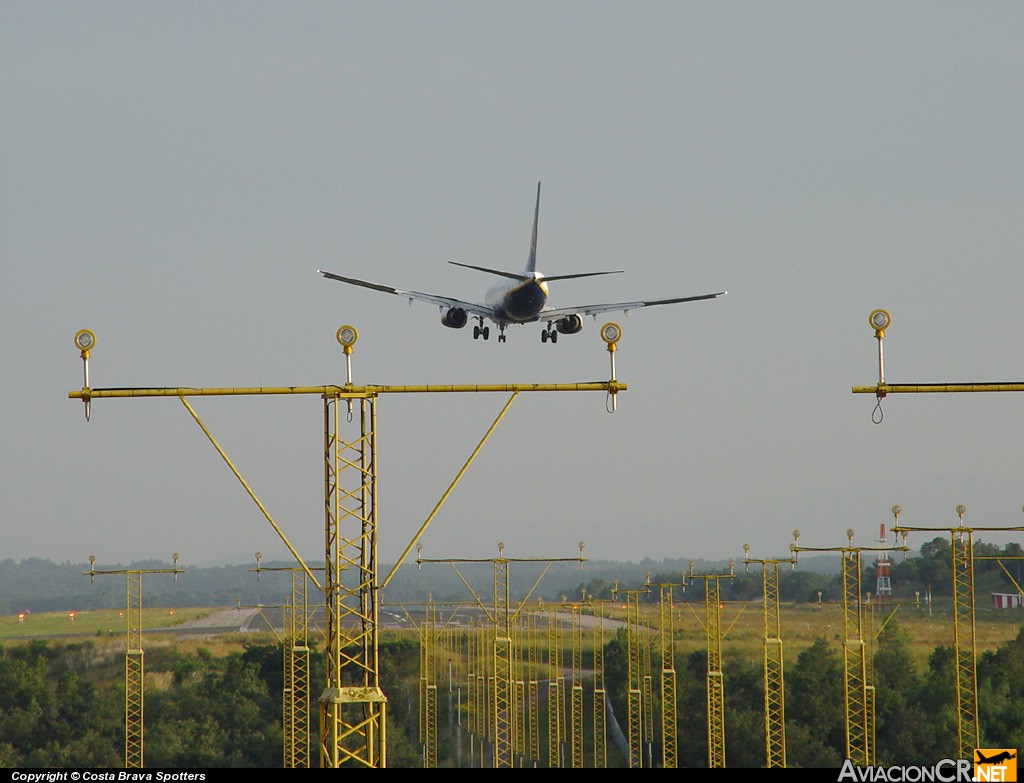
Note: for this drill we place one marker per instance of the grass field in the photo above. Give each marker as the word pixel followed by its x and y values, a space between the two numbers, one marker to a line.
pixel 107 622
pixel 742 627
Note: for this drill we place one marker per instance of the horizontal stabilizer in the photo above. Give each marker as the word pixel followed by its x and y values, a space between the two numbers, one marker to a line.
pixel 581 274
pixel 511 275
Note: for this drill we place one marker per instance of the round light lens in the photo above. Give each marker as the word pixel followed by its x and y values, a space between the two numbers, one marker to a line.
pixel 84 340
pixel 879 319
pixel 611 333
pixel 347 335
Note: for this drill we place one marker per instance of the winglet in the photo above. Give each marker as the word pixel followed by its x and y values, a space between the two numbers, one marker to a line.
pixel 531 264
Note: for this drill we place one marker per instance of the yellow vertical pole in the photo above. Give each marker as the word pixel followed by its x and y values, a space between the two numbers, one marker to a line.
pixel 352 713
pixel 503 725
pixel 715 677
pixel 969 732
pixel 556 728
pixel 666 638
pixel 774 688
pixel 600 724
pixel 134 675
pixel 576 689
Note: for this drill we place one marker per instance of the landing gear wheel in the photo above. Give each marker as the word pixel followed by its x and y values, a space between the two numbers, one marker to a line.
pixel 554 336
pixel 486 332
pixel 544 336
pixel 476 332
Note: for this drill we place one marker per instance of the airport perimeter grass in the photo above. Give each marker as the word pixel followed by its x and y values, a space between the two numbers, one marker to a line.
pixel 101 622
pixel 742 627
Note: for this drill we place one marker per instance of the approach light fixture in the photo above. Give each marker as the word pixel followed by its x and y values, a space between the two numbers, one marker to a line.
pixel 347 336
pixel 879 320
pixel 85 340
pixel 611 333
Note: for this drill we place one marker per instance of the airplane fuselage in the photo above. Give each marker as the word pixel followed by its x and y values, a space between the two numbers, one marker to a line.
pixel 519 302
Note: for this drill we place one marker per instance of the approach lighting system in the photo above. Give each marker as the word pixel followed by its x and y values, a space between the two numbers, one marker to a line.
pixel 85 340
pixel 879 320
pixel 611 333
pixel 347 336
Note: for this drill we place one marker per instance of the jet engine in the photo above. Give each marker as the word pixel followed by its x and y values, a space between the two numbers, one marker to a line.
pixel 455 318
pixel 571 324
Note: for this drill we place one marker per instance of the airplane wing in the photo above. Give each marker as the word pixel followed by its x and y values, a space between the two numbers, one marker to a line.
pixel 608 307
pixel 441 301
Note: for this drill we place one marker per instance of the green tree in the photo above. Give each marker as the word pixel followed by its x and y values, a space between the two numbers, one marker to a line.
pixel 814 704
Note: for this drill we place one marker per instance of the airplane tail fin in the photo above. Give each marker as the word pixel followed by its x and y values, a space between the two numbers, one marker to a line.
pixel 531 264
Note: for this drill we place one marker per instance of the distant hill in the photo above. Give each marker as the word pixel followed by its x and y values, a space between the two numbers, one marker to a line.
pixel 42 585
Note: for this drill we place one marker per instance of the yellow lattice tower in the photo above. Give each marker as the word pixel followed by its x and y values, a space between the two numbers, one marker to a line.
pixel 858 691
pixel 502 707
pixel 647 666
pixel 428 680
pixel 576 679
pixel 774 685
pixel 556 689
pixel 295 692
pixel 484 676
pixel 438 653
pixel 352 704
pixel 134 666
pixel 600 722
pixel 297 715
pixel 636 648
pixel 532 688
pixel 476 688
pixel 665 640
pixel 715 678
pixel 962 556
pixel 520 655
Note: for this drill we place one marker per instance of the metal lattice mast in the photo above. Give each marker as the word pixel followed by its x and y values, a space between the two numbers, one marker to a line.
pixel 295 690
pixel 483 665
pixel 134 666
pixel 715 678
pixel 634 651
pixel 296 676
pixel 600 724
pixel 969 732
pixel 962 555
pixel 503 727
pixel 648 699
pixel 502 705
pixel 352 724
pixel 666 655
pixel 858 749
pixel 532 689
pixel 473 684
pixel 774 686
pixel 857 690
pixel 134 675
pixel 669 748
pixel 576 688
pixel 428 712
pixel 556 719
pixel 519 713
pixel 352 705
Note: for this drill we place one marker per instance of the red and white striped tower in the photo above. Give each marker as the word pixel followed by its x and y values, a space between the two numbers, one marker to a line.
pixel 883 586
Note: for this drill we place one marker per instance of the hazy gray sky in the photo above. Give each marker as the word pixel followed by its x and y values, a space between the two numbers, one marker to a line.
pixel 175 174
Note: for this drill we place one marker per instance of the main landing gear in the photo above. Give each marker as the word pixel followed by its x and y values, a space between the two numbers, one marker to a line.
pixel 549 334
pixel 481 331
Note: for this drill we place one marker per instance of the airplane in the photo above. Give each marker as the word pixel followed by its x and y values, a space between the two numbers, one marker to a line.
pixel 1003 756
pixel 518 299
